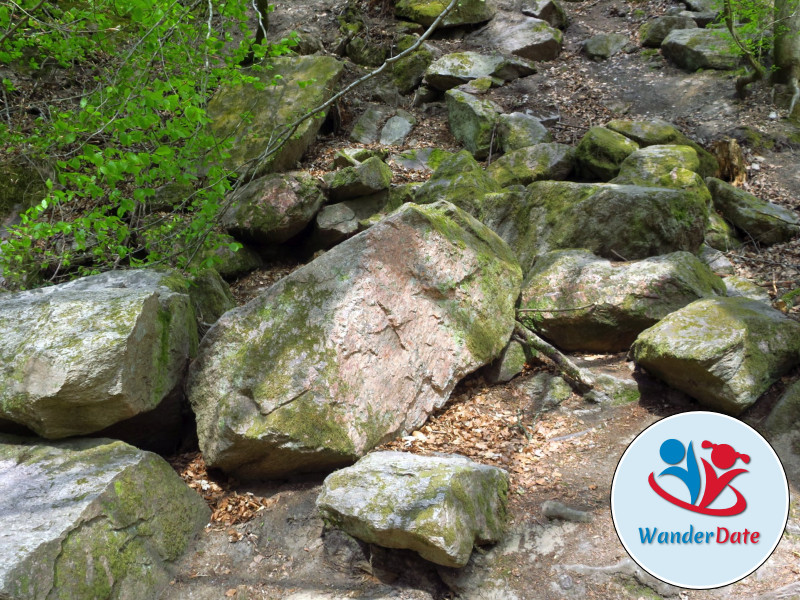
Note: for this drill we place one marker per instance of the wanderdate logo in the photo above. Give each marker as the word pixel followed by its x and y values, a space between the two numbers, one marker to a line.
pixel 699 500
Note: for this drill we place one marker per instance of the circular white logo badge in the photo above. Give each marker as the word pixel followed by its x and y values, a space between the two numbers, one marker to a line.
pixel 699 500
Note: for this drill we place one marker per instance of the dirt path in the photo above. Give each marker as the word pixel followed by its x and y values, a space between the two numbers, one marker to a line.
pixel 568 454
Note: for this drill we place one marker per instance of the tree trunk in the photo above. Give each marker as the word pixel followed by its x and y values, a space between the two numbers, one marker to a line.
pixel 787 47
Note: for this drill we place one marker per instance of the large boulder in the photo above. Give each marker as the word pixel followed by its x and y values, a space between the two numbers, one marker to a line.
pixel 367 178
pixel 546 10
pixel 604 45
pixel 454 69
pixel 653 32
pixel 519 130
pixel 581 302
pixel 519 35
pixel 619 222
pixel 654 132
pixel 460 180
pixel 296 380
pixel 271 109
pixel 466 12
pixel 600 153
pixel 438 506
pixel 725 352
pixel 80 356
pixel 765 222
pixel 90 519
pixel 535 163
pixel 693 49
pixel 274 208
pixel 472 121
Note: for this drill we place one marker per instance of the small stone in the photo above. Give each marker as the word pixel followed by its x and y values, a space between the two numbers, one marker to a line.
pixel 552 509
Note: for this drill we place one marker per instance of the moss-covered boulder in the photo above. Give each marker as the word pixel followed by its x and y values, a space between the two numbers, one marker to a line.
pixel 693 49
pixel 551 161
pixel 546 10
pixel 438 506
pixel 785 415
pixel 424 160
pixel 720 235
pixel 600 153
pixel 296 379
pixel 604 45
pixel 458 179
pixel 250 118
pixel 90 519
pixel 466 12
pixel 725 352
pixel 455 69
pixel 519 35
pixel 369 177
pixel 364 52
pixel 508 365
pixel 619 222
pixel 763 221
pixel 408 72
pixel 654 132
pixel 80 356
pixel 273 209
pixel 472 121
pixel 367 128
pixel 652 33
pixel 581 302
pixel 736 287
pixel 519 130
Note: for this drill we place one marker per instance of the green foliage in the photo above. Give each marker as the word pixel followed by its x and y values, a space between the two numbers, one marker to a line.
pixel 753 22
pixel 136 77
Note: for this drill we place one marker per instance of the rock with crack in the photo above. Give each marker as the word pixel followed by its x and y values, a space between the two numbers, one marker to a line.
pixel 369 177
pixel 764 222
pixel 438 506
pixel 600 153
pixel 693 49
pixel 473 122
pixel 297 379
pixel 546 10
pixel 78 357
pixel 367 129
pixel 90 519
pixel 458 179
pixel 519 35
pixel 654 132
pixel 452 70
pixel 272 209
pixel 618 222
pixel 270 110
pixel 724 352
pixel 581 302
pixel 466 12
pixel 337 222
pixel 539 162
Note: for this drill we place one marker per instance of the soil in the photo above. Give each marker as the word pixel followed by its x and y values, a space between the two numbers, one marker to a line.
pixel 267 541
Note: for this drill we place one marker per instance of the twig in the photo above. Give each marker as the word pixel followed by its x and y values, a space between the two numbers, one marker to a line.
pixel 19 23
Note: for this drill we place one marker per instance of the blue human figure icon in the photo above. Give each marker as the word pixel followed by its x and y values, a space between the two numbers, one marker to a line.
pixel 672 452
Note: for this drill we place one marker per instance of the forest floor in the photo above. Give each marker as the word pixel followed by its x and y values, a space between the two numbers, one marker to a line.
pixel 266 540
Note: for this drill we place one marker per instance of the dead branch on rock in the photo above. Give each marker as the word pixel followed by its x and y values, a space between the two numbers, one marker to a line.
pixel 580 380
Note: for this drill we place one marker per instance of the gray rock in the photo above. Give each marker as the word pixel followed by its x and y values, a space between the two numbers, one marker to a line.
pixel 720 235
pixel 600 153
pixel 553 509
pixel 519 130
pixel 653 32
pixel 519 35
pixel 337 222
pixel 460 180
pixel 785 415
pixel 582 302
pixel 472 121
pixel 352 157
pixel 725 352
pixel 271 109
pixel 366 53
pixel 546 10
pixel 273 209
pixel 604 45
pixel 534 163
pixel 466 12
pixel 452 70
pixel 397 128
pixel 90 519
pixel 368 127
pixel 740 287
pixel 693 49
pixel 369 177
pixel 546 390
pixel 420 159
pixel 412 304
pixel 80 356
pixel 438 506
pixel 716 260
pixel 764 222
pixel 508 365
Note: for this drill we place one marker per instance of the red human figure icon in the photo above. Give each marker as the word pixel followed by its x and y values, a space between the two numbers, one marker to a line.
pixel 724 457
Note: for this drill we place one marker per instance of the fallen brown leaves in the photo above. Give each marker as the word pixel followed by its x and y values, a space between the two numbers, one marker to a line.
pixel 228 507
